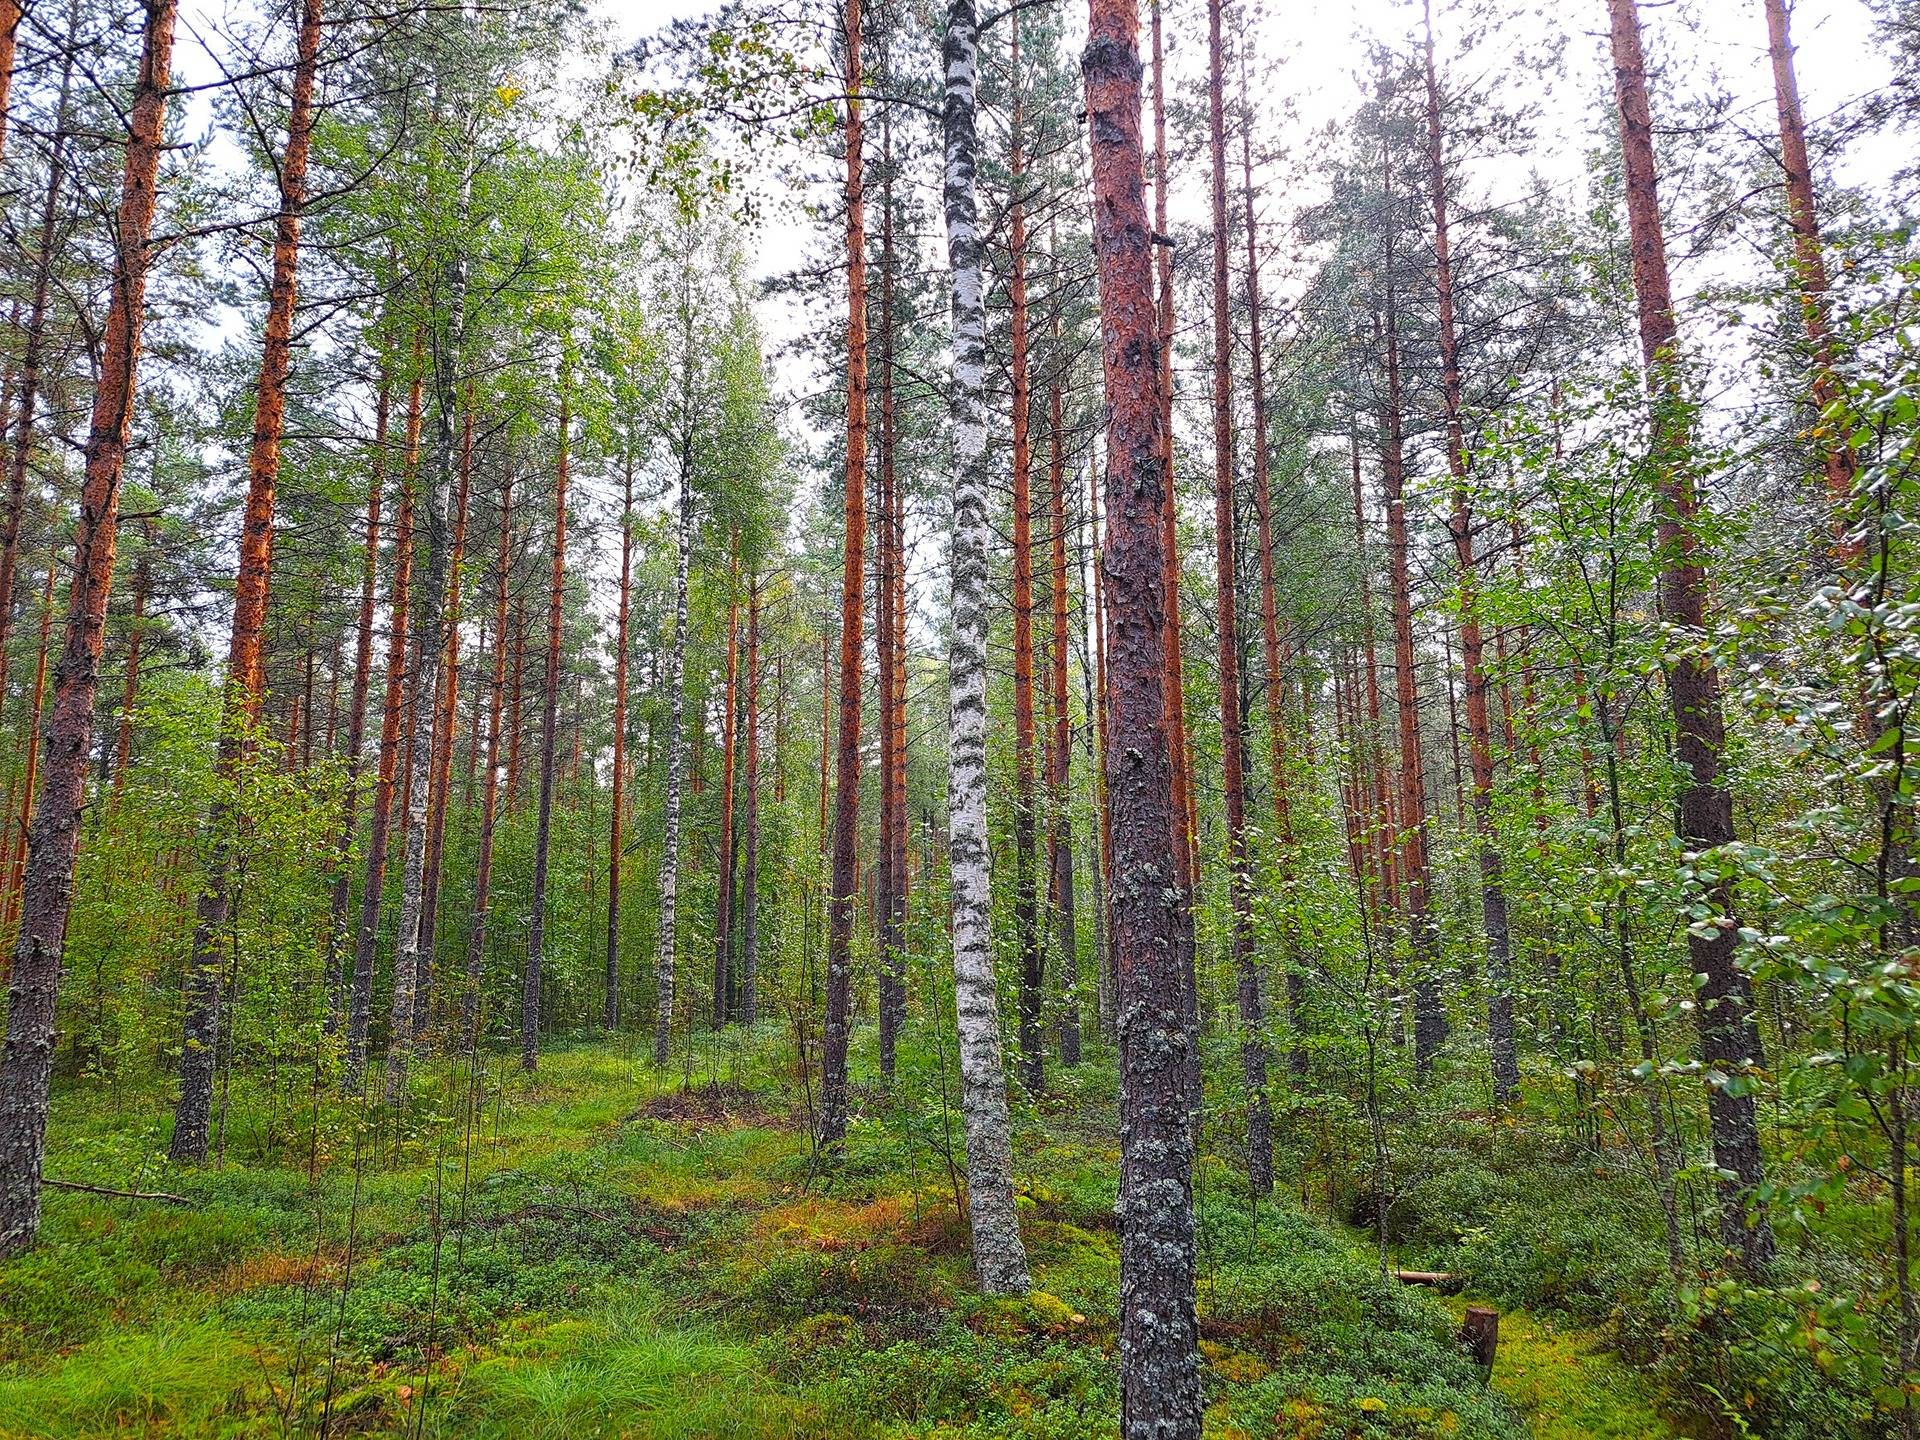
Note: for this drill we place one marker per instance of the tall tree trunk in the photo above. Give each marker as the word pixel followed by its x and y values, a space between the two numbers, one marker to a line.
pixel 1729 1038
pixel 356 717
pixel 490 786
pixel 1429 1010
pixel 610 1015
pixel 1493 889
pixel 1270 605
pixel 442 772
pixel 373 887
pixel 1025 905
pixel 549 723
pixel 1810 267
pixel 1233 765
pixel 1060 752
pixel 1159 1354
pixel 26 1066
pixel 246 683
pixel 890 904
pixel 674 682
pixel 846 801
pixel 749 1014
pixel 413 946
pixel 999 1259
pixel 723 910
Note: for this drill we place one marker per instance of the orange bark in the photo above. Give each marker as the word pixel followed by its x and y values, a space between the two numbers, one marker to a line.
pixel 846 818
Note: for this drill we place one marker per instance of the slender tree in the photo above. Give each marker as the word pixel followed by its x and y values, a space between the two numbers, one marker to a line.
pixel 1415 871
pixel 1493 886
pixel 443 738
pixel 1059 752
pixel 610 1015
pixel 999 1259
pixel 373 887
pixel 1025 883
pixel 549 733
pixel 846 802
pixel 749 1012
pixel 490 786
pixel 1253 1044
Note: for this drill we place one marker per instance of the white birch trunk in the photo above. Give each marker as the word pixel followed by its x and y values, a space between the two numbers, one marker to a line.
pixel 676 706
pixel 998 1255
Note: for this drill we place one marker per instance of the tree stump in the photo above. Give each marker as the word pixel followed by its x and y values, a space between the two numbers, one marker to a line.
pixel 1480 1334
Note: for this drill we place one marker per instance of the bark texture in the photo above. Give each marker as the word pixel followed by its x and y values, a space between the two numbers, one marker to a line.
pixel 663 964
pixel 999 1259
pixel 26 1065
pixel 1159 1356
pixel 846 797
pixel 1729 1036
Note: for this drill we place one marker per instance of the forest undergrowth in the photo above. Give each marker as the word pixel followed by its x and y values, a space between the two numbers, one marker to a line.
pixel 611 1249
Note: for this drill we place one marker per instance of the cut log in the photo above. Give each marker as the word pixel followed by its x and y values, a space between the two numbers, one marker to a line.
pixel 1436 1279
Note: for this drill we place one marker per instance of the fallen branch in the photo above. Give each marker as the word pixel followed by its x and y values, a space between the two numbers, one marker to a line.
pixel 1438 1279
pixel 160 1195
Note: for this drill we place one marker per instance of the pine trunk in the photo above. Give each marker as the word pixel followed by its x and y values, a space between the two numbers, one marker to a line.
pixel 246 683
pixel 1729 1037
pixel 846 803
pixel 1159 1352
pixel 26 1067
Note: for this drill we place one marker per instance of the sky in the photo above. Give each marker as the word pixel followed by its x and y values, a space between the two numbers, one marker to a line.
pixel 1321 45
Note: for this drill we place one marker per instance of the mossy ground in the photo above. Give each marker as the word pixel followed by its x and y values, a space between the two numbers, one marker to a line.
pixel 607 1250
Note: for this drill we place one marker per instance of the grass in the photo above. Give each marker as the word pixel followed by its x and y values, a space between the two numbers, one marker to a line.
pixel 1569 1385
pixel 603 1250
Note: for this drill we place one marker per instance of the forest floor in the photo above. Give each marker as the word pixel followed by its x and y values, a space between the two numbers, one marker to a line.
pixel 608 1250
